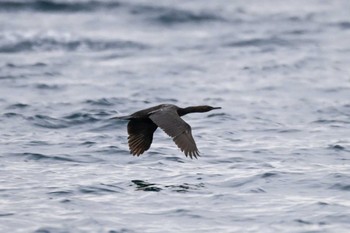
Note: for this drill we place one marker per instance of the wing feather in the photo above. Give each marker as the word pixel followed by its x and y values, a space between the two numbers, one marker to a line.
pixel 172 124
pixel 140 135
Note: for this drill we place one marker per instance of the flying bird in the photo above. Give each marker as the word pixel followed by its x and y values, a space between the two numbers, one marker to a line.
pixel 143 123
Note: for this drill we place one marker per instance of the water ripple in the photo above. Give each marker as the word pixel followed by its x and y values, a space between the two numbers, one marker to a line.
pixel 100 102
pixel 99 189
pixel 48 122
pixel 175 16
pixel 146 186
pixel 337 147
pixel 37 156
pixel 18 106
pixel 15 43
pixel 56 6
pixel 80 118
pixel 341 187
pixel 272 41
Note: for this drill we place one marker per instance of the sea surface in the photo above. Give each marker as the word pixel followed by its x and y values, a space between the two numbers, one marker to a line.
pixel 275 158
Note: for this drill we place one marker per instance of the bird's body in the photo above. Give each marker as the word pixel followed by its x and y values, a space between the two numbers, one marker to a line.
pixel 143 123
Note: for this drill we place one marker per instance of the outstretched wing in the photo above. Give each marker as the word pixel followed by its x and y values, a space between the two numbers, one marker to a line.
pixel 140 135
pixel 178 129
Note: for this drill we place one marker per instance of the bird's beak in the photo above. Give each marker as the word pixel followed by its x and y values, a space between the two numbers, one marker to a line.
pixel 216 107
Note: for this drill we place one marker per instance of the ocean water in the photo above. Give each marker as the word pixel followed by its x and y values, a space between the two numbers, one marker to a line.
pixel 275 158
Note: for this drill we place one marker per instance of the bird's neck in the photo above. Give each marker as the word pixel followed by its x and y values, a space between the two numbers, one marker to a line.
pixel 184 111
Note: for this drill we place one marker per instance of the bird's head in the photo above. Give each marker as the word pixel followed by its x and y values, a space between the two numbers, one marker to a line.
pixel 205 108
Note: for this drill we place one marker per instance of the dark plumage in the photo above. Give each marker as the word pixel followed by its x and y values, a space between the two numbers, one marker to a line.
pixel 142 125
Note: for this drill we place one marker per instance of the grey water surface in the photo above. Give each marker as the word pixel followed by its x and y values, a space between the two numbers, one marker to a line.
pixel 275 158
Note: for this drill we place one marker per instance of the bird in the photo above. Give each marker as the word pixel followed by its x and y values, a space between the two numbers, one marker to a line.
pixel 142 124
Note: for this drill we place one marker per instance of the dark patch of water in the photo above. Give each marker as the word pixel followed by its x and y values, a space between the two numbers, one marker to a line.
pixel 18 106
pixel 146 186
pixel 48 122
pixel 27 156
pixel 49 43
pixel 341 186
pixel 99 189
pixel 57 6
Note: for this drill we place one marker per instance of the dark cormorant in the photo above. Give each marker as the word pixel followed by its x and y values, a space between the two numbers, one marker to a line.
pixel 143 123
